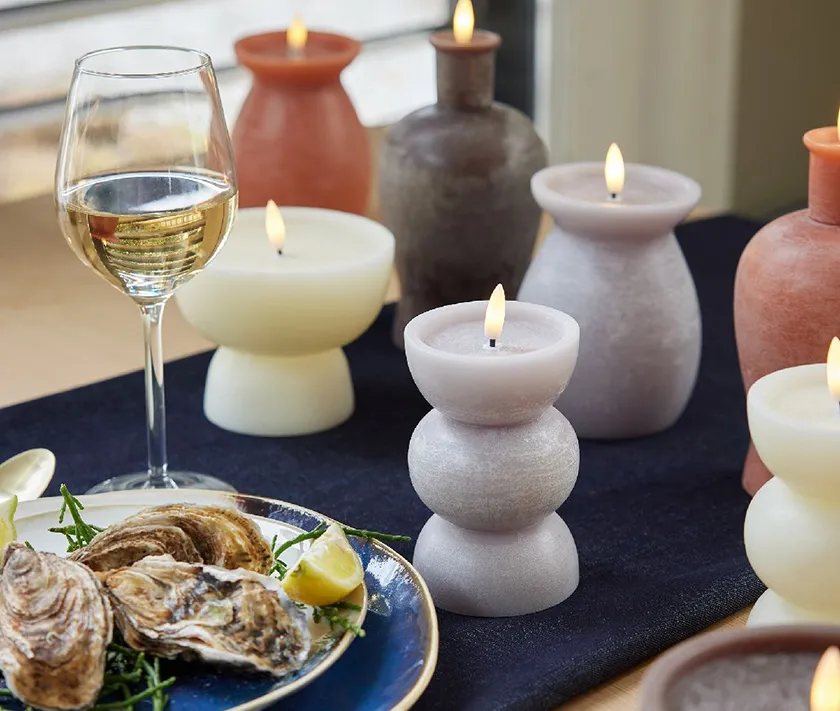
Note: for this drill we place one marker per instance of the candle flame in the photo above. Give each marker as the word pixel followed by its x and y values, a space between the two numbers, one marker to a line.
pixel 614 170
pixel 838 124
pixel 463 22
pixel 296 34
pixel 275 228
pixel 833 368
pixel 494 318
pixel 825 691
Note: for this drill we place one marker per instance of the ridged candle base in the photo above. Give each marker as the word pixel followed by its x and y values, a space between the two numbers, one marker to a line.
pixel 498 574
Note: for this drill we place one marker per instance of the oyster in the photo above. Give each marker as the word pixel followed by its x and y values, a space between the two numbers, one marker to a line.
pixel 190 534
pixel 55 626
pixel 230 617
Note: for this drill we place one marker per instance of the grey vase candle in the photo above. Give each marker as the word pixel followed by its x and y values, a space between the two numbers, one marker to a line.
pixel 494 459
pixel 454 183
pixel 613 264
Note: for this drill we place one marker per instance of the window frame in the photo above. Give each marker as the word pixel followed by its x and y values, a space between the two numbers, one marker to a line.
pixel 515 82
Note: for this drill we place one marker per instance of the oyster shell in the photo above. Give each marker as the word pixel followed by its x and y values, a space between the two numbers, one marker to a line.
pixel 191 534
pixel 230 617
pixel 55 626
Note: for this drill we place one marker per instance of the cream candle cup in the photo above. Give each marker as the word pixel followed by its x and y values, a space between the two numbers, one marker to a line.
pixel 792 528
pixel 281 319
pixel 494 459
pixel 615 266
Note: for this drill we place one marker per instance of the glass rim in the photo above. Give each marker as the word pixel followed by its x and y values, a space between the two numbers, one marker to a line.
pixel 203 61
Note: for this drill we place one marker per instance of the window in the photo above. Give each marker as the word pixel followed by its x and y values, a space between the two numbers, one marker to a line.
pixel 40 39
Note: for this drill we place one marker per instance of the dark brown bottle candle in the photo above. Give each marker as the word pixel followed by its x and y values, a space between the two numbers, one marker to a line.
pixel 455 185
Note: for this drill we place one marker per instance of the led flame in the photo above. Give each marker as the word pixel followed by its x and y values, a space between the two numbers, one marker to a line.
pixel 833 368
pixel 296 35
pixel 614 170
pixel 275 228
pixel 825 691
pixel 494 318
pixel 463 22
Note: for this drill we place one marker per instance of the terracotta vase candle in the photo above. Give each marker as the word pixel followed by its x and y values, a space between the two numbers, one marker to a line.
pixel 281 319
pixel 770 669
pixel 612 262
pixel 787 300
pixel 298 140
pixel 454 182
pixel 792 528
pixel 494 459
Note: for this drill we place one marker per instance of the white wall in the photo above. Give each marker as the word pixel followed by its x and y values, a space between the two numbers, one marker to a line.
pixel 657 76
pixel 789 83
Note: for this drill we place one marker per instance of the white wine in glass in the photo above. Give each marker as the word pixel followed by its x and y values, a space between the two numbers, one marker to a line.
pixel 146 196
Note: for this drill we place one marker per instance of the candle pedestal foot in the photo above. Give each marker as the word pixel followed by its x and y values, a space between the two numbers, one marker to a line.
pixel 772 610
pixel 498 574
pixel 278 396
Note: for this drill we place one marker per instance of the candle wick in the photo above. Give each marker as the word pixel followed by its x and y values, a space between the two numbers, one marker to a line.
pixel 492 342
pixel 279 252
pixel 613 196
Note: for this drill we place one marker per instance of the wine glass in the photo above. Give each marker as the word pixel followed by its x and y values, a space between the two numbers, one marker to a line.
pixel 146 196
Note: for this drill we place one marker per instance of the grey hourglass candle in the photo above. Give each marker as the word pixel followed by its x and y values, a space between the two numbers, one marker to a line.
pixel 494 459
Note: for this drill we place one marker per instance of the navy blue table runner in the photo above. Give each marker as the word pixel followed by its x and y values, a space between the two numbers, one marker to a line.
pixel 658 521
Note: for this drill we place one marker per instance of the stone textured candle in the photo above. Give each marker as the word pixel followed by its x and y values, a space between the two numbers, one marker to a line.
pixel 787 300
pixel 298 140
pixel 769 669
pixel 454 186
pixel 792 529
pixel 281 319
pixel 494 459
pixel 615 266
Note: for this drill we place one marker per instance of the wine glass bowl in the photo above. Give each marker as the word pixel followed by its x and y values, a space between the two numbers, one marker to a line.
pixel 146 196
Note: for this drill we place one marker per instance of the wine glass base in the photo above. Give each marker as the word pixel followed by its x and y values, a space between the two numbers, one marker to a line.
pixel 181 480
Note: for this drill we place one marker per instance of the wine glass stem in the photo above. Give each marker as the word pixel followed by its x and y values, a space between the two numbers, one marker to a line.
pixel 155 400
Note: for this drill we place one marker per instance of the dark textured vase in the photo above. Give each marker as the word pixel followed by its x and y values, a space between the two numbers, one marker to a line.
pixel 455 186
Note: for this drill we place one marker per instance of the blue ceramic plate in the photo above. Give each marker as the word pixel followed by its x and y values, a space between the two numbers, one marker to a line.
pixel 386 670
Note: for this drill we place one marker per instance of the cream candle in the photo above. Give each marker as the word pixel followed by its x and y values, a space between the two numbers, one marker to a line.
pixel 612 262
pixel 792 528
pixel 281 318
pixel 494 459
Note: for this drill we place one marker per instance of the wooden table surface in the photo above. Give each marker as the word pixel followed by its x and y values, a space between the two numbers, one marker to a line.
pixel 61 326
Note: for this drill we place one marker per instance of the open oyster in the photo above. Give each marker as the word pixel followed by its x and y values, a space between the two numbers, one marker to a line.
pixel 190 534
pixel 55 626
pixel 230 617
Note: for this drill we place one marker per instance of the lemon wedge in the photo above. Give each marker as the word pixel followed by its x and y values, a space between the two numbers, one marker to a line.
pixel 328 571
pixel 8 532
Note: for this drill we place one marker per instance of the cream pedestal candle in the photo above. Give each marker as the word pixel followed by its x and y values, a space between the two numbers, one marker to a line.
pixel 494 459
pixel 792 528
pixel 281 319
